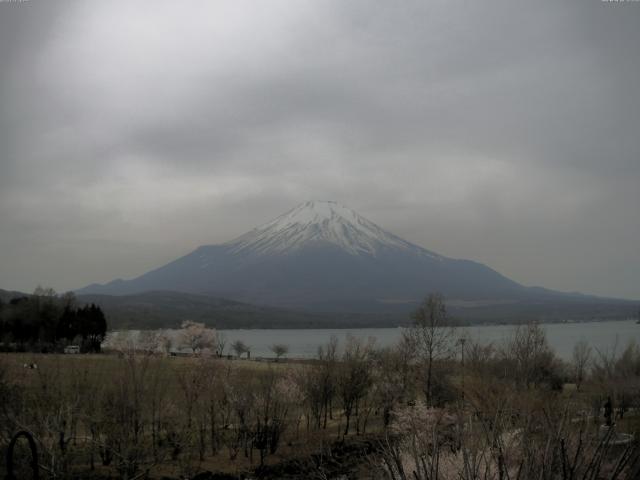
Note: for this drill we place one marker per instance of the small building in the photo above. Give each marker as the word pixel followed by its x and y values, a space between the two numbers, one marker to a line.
pixel 72 349
pixel 181 352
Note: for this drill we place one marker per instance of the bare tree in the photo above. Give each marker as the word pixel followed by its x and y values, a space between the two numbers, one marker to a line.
pixel 618 374
pixel 241 400
pixel 274 396
pixel 41 291
pixel 221 343
pixel 432 336
pixel 317 384
pixel 120 431
pixel 551 443
pixel 394 378
pixel 581 359
pixel 354 377
pixel 328 356
pixel 531 357
pixel 279 349
pixel 239 347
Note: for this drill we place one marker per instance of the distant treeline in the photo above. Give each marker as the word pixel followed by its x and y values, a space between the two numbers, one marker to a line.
pixel 47 322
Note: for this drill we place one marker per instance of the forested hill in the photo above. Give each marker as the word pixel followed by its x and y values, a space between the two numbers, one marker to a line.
pixel 158 309
pixel 166 309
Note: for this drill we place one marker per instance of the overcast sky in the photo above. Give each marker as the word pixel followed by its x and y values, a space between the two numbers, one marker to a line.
pixel 506 132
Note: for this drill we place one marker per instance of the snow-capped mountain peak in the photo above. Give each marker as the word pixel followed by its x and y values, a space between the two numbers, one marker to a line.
pixel 318 223
pixel 321 256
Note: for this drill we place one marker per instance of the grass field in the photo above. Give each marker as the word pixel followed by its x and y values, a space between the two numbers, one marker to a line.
pixel 53 386
pixel 362 413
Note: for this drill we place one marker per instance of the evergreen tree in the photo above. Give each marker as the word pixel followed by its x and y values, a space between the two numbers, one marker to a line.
pixel 41 320
pixel 67 325
pixel 92 326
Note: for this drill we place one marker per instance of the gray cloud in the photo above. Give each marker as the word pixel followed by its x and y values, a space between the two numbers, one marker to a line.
pixel 505 132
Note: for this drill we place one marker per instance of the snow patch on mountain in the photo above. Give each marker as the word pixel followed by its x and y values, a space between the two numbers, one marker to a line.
pixel 320 223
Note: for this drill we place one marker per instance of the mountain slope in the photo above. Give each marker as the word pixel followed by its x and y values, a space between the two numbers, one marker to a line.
pixel 324 256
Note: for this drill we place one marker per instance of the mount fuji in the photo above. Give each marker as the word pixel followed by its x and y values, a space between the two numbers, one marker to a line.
pixel 324 256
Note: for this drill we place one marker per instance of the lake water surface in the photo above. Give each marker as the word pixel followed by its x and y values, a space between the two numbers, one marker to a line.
pixel 605 336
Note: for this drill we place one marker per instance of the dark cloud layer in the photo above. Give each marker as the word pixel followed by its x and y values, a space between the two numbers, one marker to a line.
pixel 504 131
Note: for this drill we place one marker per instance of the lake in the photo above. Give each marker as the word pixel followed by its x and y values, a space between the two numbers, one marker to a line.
pixel 304 343
pixel 604 336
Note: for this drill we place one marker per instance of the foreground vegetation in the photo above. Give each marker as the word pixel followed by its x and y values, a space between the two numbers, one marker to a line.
pixel 433 407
